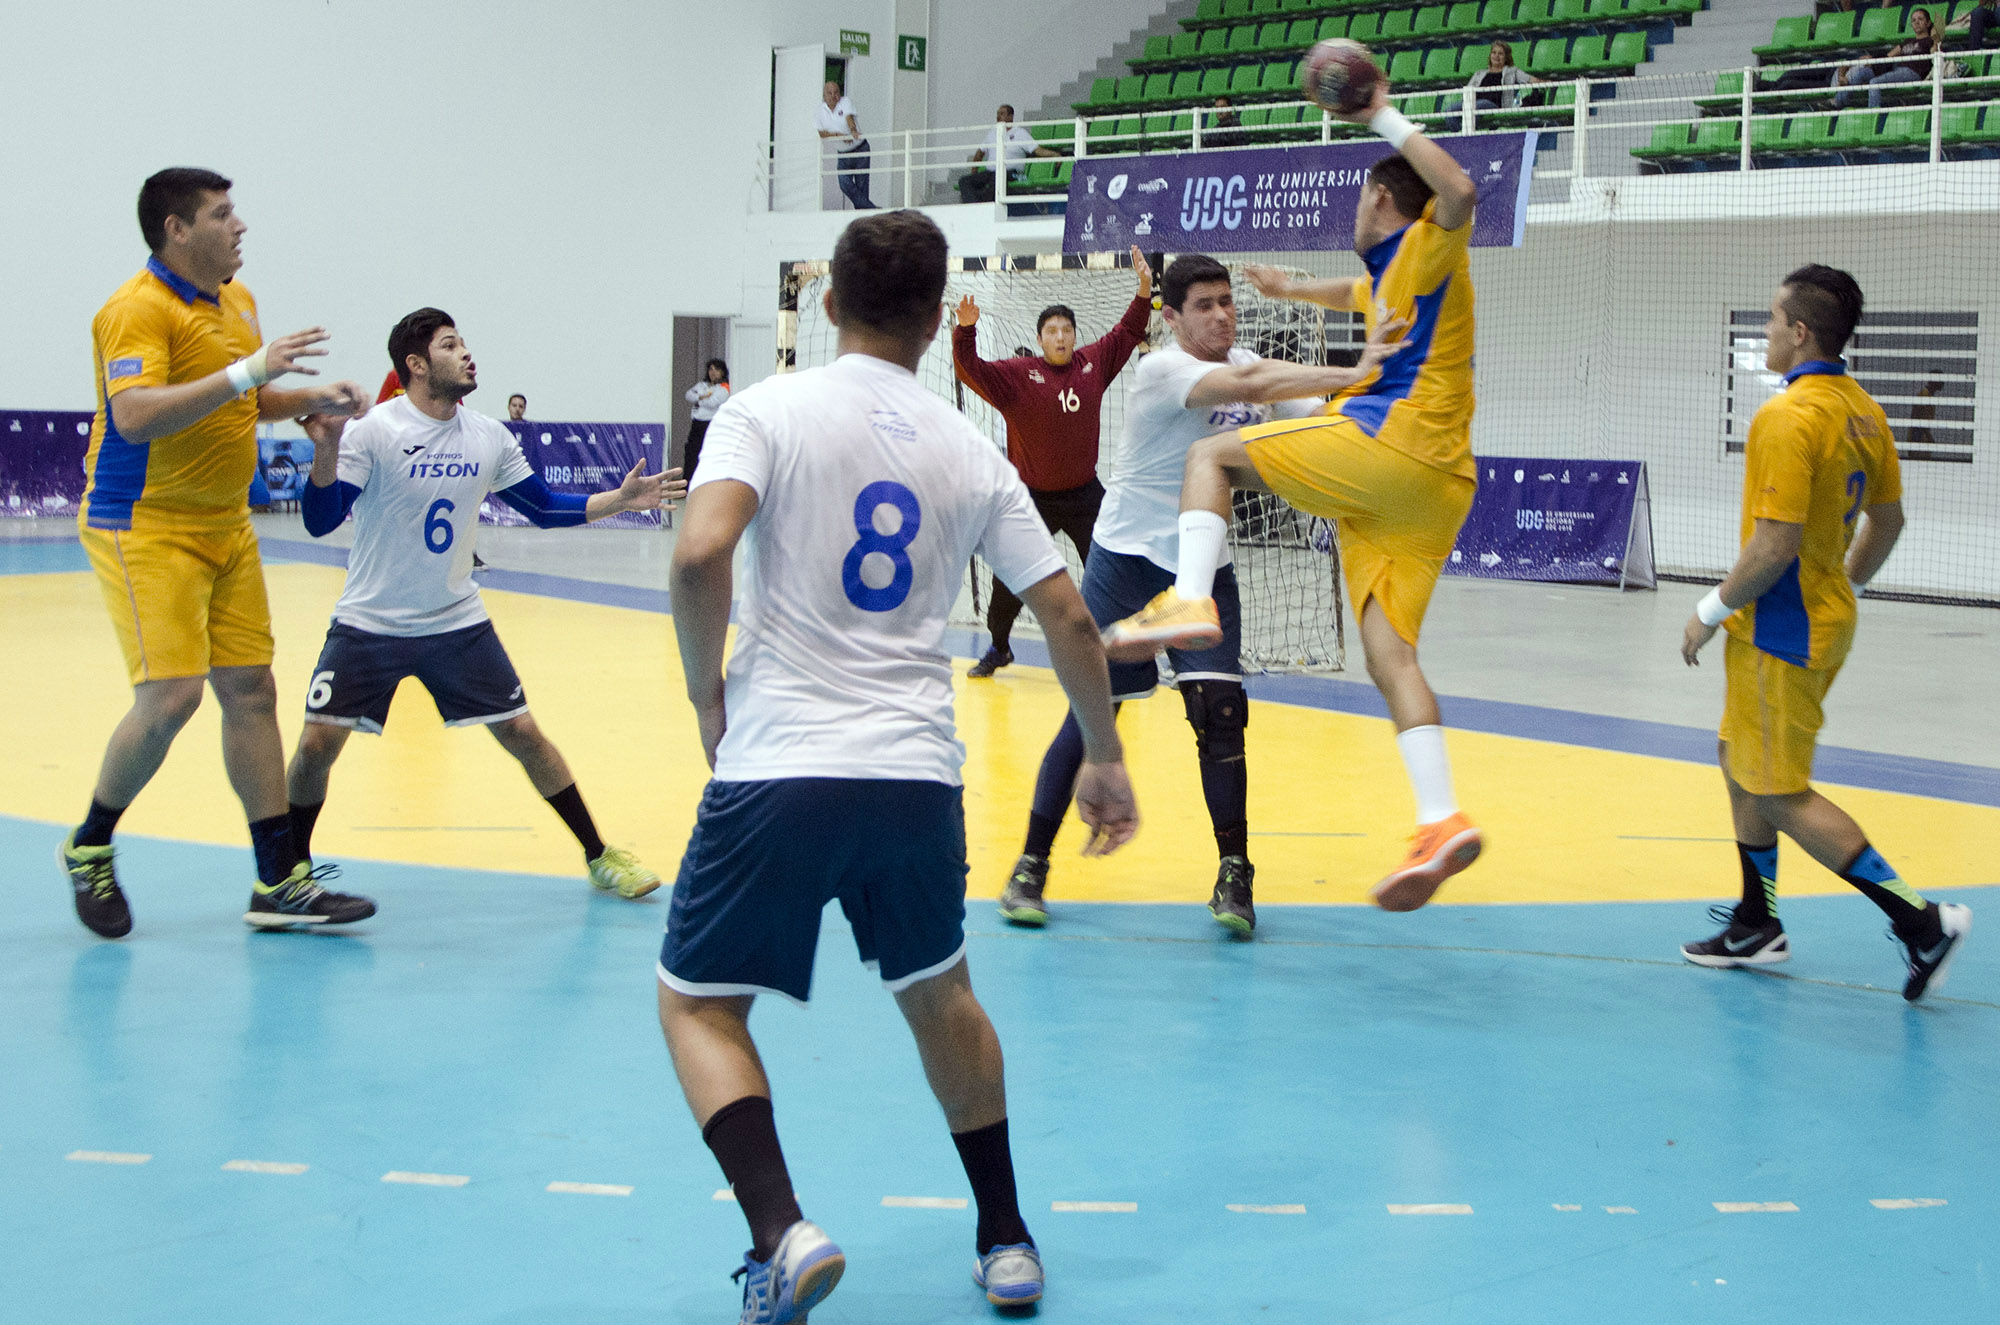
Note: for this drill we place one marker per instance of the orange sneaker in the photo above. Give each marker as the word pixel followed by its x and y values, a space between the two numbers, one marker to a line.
pixel 1168 622
pixel 1437 851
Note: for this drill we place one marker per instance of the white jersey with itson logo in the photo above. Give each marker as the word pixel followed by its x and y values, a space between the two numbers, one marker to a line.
pixel 1142 493
pixel 872 496
pixel 421 482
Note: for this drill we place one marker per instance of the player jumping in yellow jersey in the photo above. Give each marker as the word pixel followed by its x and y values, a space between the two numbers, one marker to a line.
pixel 181 382
pixel 1822 506
pixel 1389 461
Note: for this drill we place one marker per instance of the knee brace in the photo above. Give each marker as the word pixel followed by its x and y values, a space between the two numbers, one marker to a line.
pixel 1218 711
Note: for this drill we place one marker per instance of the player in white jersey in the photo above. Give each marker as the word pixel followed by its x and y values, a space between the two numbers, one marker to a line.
pixel 414 471
pixel 837 766
pixel 1204 383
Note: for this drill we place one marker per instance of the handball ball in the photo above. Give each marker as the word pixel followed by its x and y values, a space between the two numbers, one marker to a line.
pixel 1340 75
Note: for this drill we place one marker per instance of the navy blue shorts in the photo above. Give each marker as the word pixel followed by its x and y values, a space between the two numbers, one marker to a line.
pixel 468 673
pixel 1117 584
pixel 766 858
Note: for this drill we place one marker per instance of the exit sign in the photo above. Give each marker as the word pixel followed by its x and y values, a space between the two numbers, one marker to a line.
pixel 852 42
pixel 910 53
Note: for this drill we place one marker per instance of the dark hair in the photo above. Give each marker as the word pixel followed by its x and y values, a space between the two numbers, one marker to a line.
pixel 1055 310
pixel 413 336
pixel 716 363
pixel 1004 106
pixel 1406 187
pixel 888 272
pixel 1827 300
pixel 511 399
pixel 1188 269
pixel 175 191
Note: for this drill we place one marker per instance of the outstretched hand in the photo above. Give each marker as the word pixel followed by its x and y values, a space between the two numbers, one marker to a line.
pixel 648 492
pixel 1378 102
pixel 968 311
pixel 324 429
pixel 1384 341
pixel 1145 270
pixel 1269 281
pixel 1105 804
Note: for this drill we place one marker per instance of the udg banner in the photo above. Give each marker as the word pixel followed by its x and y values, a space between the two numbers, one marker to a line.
pixel 584 458
pixel 1273 199
pixel 41 461
pixel 1577 521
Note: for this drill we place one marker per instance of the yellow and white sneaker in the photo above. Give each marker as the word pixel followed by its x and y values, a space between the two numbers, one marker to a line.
pixel 619 871
pixel 1168 622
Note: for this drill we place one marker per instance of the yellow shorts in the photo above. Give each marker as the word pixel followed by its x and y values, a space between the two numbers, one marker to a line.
pixel 183 602
pixel 1397 516
pixel 1771 717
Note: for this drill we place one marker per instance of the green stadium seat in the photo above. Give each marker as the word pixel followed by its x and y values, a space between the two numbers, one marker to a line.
pixel 1332 28
pixel 1157 48
pixel 1430 21
pixel 1628 51
pixel 1463 19
pixel 1404 66
pixel 1832 30
pixel 1214 44
pixel 1099 130
pixel 1271 37
pixel 1280 80
pixel 1184 46
pixel 1398 25
pixel 1471 59
pixel 1669 140
pixel 1235 9
pixel 1063 173
pixel 1717 138
pixel 1569 11
pixel 1365 27
pixel 1988 130
pixel 1214 83
pixel 1131 90
pixel 1187 85
pixel 1265 8
pixel 1533 13
pixel 1441 65
pixel 1243 39
pixel 1103 92
pixel 1607 11
pixel 1855 129
pixel 1041 176
pixel 1587 55
pixel 1548 57
pixel 1244 78
pixel 1960 124
pixel 1880 25
pixel 1767 135
pixel 1158 88
pixel 1497 14
pixel 1417 103
pixel 1791 33
pixel 1906 129
pixel 1057 134
pixel 1665 8
pixel 1254 120
pixel 1208 11
pixel 1521 51
pixel 1301 33
pixel 1299 6
pixel 1810 134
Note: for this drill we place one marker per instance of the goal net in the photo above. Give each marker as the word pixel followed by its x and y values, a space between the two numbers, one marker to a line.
pixel 1287 563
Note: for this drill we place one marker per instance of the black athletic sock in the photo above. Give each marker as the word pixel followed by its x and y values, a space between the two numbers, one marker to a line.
pixel 1909 914
pixel 271 840
pixel 97 826
pixel 989 1166
pixel 1042 832
pixel 569 804
pixel 1760 884
pixel 1233 841
pixel 1226 788
pixel 1054 786
pixel 744 1137
pixel 303 818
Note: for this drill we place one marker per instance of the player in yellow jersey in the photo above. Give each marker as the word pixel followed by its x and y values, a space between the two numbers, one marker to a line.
pixel 1822 507
pixel 1389 461
pixel 182 379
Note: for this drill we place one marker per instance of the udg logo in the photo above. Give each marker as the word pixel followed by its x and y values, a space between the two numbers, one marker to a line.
pixel 1208 201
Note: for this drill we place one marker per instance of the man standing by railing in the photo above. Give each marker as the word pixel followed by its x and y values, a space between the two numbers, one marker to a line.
pixel 834 117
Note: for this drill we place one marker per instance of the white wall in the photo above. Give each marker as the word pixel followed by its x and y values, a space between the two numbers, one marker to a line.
pixel 985 53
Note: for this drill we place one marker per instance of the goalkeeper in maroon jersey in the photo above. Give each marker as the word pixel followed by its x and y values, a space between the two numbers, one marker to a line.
pixel 1052 405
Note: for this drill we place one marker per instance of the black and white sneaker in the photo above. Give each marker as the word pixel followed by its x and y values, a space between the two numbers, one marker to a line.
pixel 1021 900
pixel 302 900
pixel 1231 904
pixel 1740 944
pixel 1929 958
pixel 990 662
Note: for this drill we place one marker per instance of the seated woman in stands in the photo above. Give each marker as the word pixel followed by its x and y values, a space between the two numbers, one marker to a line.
pixel 1498 86
pixel 1909 62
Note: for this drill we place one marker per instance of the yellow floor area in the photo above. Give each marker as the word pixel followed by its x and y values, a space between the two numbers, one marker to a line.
pixel 1329 806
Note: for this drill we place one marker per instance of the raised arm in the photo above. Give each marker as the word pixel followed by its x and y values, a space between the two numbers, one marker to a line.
pixel 1270 380
pixel 146 413
pixel 995 387
pixel 701 581
pixel 1334 292
pixel 1457 195
pixel 1103 791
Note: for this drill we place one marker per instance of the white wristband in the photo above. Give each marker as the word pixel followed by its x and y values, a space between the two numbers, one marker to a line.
pixel 248 372
pixel 1712 610
pixel 1393 125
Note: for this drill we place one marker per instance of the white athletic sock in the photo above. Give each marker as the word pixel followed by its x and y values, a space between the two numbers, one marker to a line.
pixel 1202 534
pixel 1430 772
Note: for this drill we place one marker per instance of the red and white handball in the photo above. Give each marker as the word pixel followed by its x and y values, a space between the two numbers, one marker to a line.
pixel 1340 75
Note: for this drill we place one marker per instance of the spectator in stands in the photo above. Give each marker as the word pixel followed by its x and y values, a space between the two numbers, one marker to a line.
pixel 1016 142
pixel 835 118
pixel 706 396
pixel 1909 62
pixel 1224 127
pixel 1980 24
pixel 517 407
pixel 1498 86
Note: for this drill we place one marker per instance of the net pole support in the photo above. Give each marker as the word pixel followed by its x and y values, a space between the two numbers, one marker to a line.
pixel 1579 151
pixel 1749 92
pixel 1937 106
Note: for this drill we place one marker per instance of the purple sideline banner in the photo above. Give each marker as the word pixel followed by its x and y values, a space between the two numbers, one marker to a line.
pixel 41 461
pixel 1275 199
pixel 1574 521
pixel 584 458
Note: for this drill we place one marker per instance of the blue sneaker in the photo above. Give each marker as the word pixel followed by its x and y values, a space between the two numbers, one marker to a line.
pixel 797 1278
pixel 1011 1275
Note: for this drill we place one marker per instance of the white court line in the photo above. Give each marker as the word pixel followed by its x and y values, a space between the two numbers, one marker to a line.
pixel 1619 1210
pixel 263 1166
pixel 1430 1209
pixel 589 1188
pixel 723 1194
pixel 1265 1209
pixel 1756 1207
pixel 1906 1202
pixel 924 1202
pixel 1567 1208
pixel 426 1179
pixel 105 1157
pixel 1095 1207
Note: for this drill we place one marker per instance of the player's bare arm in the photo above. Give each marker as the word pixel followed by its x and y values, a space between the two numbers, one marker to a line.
pixel 145 413
pixel 701 581
pixel 639 492
pixel 1457 195
pixel 1881 525
pixel 1773 545
pixel 1103 791
pixel 968 312
pixel 1275 379
pixel 1145 270
pixel 1327 292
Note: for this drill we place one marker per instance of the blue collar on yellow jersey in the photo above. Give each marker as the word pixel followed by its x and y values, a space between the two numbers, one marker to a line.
pixel 1378 258
pixel 177 283
pixel 1817 368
